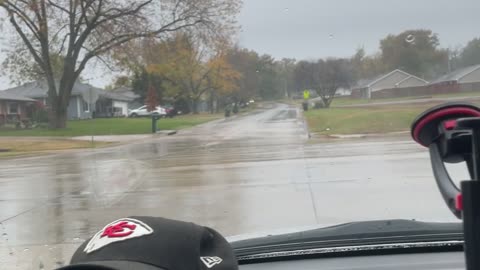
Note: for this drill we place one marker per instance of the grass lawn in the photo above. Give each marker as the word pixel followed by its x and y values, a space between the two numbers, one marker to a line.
pixel 19 146
pixel 354 101
pixel 114 126
pixel 361 120
pixel 463 94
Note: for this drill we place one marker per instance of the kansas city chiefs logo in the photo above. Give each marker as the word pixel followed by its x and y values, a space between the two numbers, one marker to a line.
pixel 119 230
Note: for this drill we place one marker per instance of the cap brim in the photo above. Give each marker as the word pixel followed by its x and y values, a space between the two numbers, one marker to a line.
pixel 110 265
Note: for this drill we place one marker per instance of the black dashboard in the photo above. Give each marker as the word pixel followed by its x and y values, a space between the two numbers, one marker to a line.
pixel 422 261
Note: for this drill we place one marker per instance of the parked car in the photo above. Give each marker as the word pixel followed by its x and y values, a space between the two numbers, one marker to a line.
pixel 142 111
pixel 171 112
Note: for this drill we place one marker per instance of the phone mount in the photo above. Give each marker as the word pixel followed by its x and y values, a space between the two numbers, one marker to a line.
pixel 452 133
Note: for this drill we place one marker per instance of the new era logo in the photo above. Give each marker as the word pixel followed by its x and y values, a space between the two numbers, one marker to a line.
pixel 211 261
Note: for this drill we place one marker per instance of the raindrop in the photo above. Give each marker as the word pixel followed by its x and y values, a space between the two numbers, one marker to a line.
pixel 51 248
pixel 59 263
pixel 4 235
pixel 45 245
pixel 25 250
pixel 76 239
pixel 41 266
pixel 410 38
pixel 257 71
pixel 330 36
pixel 11 253
pixel 327 129
pixel 286 9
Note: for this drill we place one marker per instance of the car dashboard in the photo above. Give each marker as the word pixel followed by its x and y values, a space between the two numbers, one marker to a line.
pixel 421 261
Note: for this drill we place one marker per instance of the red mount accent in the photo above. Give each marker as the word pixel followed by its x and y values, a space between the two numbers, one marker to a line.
pixel 459 202
pixel 450 124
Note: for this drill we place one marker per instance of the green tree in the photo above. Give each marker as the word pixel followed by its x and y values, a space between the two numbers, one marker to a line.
pixel 366 66
pixel 20 69
pixel 246 63
pixel 142 81
pixel 270 81
pixel 414 51
pixel 470 55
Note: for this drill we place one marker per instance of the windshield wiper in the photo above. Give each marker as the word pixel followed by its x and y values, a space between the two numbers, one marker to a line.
pixel 355 236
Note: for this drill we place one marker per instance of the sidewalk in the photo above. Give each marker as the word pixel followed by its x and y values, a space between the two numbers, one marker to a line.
pixel 125 138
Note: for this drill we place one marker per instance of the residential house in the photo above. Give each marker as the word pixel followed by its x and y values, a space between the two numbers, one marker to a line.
pixel 343 92
pixel 128 92
pixel 461 80
pixel 387 85
pixel 85 102
pixel 14 107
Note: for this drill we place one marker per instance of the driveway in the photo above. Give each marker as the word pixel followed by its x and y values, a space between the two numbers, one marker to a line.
pixel 250 174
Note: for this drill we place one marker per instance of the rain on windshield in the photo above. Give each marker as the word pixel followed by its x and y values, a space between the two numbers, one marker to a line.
pixel 251 117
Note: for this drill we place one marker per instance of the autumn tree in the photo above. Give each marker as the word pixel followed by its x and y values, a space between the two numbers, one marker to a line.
pixel 191 70
pixel 152 99
pixel 79 31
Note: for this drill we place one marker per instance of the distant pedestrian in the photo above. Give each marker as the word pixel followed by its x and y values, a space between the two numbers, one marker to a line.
pixel 306 97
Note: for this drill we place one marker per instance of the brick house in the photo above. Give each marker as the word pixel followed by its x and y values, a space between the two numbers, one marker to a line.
pixel 14 107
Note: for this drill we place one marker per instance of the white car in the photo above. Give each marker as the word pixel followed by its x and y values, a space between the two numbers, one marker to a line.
pixel 142 111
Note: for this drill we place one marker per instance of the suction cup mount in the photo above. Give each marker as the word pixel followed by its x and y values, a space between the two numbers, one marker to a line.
pixel 452 133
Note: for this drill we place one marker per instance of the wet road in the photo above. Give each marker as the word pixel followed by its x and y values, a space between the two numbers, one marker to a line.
pixel 254 173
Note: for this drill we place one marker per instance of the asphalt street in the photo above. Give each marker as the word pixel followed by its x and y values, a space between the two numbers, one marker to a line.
pixel 247 175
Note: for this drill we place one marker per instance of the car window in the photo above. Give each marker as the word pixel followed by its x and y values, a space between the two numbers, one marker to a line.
pixel 282 115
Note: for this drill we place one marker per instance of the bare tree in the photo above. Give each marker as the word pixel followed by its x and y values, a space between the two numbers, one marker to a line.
pixel 333 74
pixel 81 30
pixel 324 76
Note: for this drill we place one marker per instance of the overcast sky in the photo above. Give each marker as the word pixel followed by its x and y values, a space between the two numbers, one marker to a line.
pixel 318 28
pixel 307 29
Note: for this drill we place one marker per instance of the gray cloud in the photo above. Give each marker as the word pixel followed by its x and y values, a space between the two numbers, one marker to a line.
pixel 303 31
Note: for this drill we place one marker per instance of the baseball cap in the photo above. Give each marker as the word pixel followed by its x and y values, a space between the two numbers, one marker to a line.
pixel 153 243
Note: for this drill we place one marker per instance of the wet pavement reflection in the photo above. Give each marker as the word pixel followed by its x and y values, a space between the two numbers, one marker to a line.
pixel 247 174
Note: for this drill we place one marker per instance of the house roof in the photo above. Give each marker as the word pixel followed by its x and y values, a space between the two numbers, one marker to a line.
pixel 366 83
pixel 115 96
pixel 39 89
pixel 456 75
pixel 126 91
pixel 14 97
pixel 410 77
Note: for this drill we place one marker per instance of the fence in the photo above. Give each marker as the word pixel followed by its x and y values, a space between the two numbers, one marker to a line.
pixel 427 90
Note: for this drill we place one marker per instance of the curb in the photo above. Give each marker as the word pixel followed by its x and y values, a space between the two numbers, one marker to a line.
pixel 166 132
pixel 361 136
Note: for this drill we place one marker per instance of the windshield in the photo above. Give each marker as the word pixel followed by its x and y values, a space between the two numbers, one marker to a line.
pixel 251 117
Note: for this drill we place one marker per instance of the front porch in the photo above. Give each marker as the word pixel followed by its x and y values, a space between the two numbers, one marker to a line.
pixel 15 112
